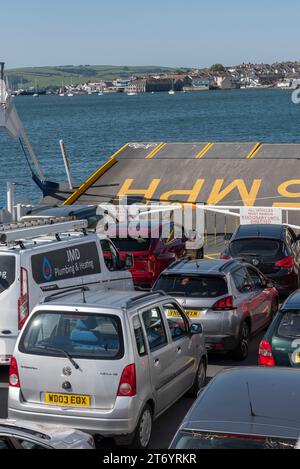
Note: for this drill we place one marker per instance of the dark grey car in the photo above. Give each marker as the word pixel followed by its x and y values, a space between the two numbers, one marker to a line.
pixel 232 300
pixel 244 408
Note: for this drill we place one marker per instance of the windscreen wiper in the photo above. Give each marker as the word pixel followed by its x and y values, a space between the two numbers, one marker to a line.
pixel 64 352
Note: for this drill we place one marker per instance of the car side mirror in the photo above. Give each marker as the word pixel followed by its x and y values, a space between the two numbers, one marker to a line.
pixel 196 329
pixel 129 261
pixel 228 237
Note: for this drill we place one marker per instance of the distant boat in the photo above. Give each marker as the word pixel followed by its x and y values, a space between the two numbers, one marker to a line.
pixel 100 93
pixel 172 92
pixel 131 93
pixel 35 95
pixel 70 95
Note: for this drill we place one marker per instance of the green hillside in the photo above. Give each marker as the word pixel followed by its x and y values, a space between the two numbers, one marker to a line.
pixel 65 74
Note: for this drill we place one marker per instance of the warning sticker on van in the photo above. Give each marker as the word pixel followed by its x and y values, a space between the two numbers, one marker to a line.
pixel 62 264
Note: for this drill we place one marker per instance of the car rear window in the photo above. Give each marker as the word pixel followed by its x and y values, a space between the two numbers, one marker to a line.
pixel 195 440
pixel 197 286
pixel 87 336
pixel 7 272
pixel 258 247
pixel 132 244
pixel 290 325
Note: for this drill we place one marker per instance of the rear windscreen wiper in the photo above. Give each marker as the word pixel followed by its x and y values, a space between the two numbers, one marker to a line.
pixel 179 293
pixel 64 352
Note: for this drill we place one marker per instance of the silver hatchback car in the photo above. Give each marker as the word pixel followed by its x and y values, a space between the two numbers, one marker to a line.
pixel 231 299
pixel 106 363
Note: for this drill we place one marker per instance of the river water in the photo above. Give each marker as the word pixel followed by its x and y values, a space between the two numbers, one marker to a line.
pixel 94 127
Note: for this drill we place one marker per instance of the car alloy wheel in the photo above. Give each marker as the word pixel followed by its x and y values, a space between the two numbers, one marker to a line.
pixel 145 428
pixel 200 379
pixel 241 352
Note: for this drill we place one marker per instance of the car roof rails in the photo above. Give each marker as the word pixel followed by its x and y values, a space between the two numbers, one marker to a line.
pixel 138 298
pixel 80 288
pixel 17 232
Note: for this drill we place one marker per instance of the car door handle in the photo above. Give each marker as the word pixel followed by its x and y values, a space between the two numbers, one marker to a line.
pixel 157 362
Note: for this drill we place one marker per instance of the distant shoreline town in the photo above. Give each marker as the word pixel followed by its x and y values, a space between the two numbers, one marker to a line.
pixel 283 75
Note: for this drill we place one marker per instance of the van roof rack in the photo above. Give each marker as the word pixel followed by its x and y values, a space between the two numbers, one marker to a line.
pixel 144 296
pixel 80 288
pixel 17 232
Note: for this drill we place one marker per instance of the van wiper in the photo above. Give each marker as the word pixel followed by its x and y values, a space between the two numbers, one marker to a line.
pixel 64 352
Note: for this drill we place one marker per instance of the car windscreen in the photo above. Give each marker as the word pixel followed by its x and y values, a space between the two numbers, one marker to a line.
pixel 256 247
pixel 89 336
pixel 189 285
pixel 132 244
pixel 289 325
pixel 7 272
pixel 196 440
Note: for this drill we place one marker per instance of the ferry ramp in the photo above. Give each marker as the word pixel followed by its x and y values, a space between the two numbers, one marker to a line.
pixel 230 173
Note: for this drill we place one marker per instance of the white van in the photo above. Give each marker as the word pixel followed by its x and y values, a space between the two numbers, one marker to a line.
pixel 38 261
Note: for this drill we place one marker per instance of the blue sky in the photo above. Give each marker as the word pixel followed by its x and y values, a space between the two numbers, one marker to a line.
pixel 185 33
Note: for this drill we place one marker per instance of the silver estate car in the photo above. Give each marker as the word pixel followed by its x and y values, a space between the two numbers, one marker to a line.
pixel 107 363
pixel 231 299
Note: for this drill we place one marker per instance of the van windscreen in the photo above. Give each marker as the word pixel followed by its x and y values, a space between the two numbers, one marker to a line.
pixel 7 272
pixel 89 336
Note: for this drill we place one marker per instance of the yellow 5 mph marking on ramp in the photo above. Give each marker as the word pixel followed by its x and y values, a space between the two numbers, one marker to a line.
pixel 212 256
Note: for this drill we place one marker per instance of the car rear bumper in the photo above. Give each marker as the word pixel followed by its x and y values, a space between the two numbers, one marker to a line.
pixel 286 283
pixel 121 420
pixel 143 278
pixel 221 343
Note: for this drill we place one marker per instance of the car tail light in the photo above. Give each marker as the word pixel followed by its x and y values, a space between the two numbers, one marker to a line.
pixel 14 379
pixel 127 386
pixel 225 257
pixel 23 302
pixel 265 354
pixel 152 258
pixel 224 304
pixel 286 263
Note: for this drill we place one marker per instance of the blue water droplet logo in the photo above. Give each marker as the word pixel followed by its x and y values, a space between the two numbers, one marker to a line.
pixel 47 270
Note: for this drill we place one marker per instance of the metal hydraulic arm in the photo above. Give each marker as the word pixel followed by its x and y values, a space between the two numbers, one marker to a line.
pixel 11 123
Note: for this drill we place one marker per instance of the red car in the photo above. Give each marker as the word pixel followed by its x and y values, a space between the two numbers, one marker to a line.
pixel 152 252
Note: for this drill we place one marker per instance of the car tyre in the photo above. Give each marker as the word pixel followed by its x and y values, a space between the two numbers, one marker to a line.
pixel 240 353
pixel 275 307
pixel 200 253
pixel 143 432
pixel 200 379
